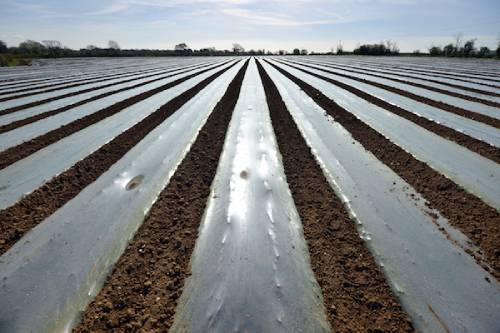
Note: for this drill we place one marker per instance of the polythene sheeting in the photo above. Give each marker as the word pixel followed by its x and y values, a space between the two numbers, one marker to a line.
pixel 250 267
pixel 439 284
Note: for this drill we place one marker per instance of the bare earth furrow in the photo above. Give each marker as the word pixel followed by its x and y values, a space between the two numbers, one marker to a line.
pixel 27 148
pixel 351 281
pixel 146 283
pixel 463 210
pixel 16 220
pixel 441 105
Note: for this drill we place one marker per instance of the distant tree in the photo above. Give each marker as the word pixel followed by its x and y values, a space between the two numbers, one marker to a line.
pixel 304 52
pixel 435 51
pixel 296 52
pixel 498 50
pixel 281 52
pixel 91 47
pixel 469 48
pixel 181 47
pixel 449 50
pixel 238 49
pixel 459 38
pixel 3 47
pixel 416 52
pixel 340 48
pixel 484 51
pixel 31 48
pixel 52 44
pixel 113 45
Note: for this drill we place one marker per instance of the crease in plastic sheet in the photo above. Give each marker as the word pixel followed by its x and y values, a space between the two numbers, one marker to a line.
pixel 417 78
pixel 454 101
pixel 475 129
pixel 33 130
pixel 39 109
pixel 250 266
pixel 26 175
pixel 478 175
pixel 438 283
pixel 76 247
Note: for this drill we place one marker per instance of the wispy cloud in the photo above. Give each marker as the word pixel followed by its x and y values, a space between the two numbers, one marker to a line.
pixel 273 19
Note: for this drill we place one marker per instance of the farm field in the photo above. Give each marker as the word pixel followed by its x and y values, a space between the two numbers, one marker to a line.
pixel 250 194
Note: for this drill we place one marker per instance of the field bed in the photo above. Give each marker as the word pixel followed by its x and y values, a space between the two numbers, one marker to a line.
pixel 271 194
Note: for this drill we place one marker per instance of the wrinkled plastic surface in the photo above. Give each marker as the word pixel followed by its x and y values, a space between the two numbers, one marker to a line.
pixel 26 175
pixel 50 275
pixel 475 129
pixel 475 173
pixel 439 284
pixel 250 266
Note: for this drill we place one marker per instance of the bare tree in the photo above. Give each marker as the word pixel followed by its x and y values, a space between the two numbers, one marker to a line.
pixel 113 45
pixel 237 48
pixel 304 52
pixel 340 48
pixel 459 38
pixel 52 44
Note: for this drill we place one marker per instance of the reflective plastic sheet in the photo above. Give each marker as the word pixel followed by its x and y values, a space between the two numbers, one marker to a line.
pixel 250 266
pixel 51 274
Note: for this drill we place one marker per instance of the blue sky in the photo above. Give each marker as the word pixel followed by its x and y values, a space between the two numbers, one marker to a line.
pixel 271 24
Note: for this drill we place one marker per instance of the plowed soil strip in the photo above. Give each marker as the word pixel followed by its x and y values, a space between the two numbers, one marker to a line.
pixel 446 107
pixel 463 210
pixel 32 119
pixel 143 289
pixel 353 286
pixel 74 93
pixel 364 70
pixel 477 146
pixel 72 84
pixel 16 220
pixel 16 153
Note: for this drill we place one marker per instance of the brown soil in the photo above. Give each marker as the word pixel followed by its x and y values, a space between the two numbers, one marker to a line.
pixel 32 119
pixel 16 153
pixel 463 210
pixel 371 70
pixel 142 291
pixel 443 106
pixel 352 284
pixel 75 93
pixel 477 146
pixel 16 220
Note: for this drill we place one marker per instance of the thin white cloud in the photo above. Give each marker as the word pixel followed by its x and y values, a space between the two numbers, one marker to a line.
pixel 272 19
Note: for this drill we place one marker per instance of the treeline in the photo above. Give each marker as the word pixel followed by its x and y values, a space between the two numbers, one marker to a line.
pixel 463 50
pixel 389 48
pixel 55 49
